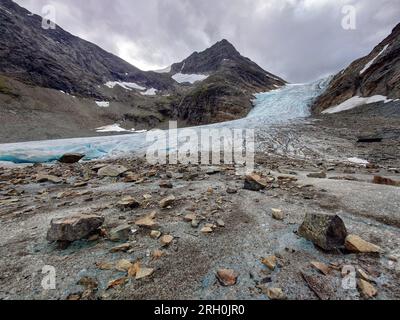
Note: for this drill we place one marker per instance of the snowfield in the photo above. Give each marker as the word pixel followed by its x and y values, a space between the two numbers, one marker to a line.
pixel 355 102
pixel 126 85
pixel 188 78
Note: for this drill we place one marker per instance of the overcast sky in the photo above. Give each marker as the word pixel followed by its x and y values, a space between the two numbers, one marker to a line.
pixel 299 40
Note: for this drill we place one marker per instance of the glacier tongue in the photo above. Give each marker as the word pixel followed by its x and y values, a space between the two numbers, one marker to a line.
pixel 274 107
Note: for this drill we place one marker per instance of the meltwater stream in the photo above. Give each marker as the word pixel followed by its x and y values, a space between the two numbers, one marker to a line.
pixel 279 106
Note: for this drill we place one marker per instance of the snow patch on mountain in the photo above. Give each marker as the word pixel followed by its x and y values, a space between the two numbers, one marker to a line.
pixel 103 104
pixel 149 92
pixel 188 78
pixel 126 85
pixel 369 64
pixel 355 102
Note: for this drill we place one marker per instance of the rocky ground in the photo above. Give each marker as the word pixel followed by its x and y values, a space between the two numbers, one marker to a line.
pixel 191 232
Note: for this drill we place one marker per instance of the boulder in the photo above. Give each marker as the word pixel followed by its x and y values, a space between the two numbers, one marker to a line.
pixel 112 171
pixel 326 231
pixel 73 228
pixel 70 158
pixel 254 182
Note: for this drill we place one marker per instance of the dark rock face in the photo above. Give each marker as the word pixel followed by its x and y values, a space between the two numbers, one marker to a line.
pixel 56 59
pixel 73 228
pixel 326 231
pixel 376 74
pixel 227 93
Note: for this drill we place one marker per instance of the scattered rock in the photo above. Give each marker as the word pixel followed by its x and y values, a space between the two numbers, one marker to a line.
pixel 364 275
pixel 120 233
pixel 166 185
pixel 157 254
pixel 70 158
pixel 278 214
pixel 40 178
pixel 134 269
pixel 112 171
pixel 322 267
pixel 168 201
pixel 206 230
pixel 190 217
pixel 227 277
pixel 73 228
pixel 117 282
pixel 121 248
pixel 319 286
pixel 166 240
pixel 270 262
pixel 326 231
pixel 385 181
pixel 128 203
pixel 231 191
pixel 366 289
pixel 221 223
pixel 317 175
pixel 105 265
pixel 275 294
pixel 123 265
pixel 355 244
pixel 147 221
pixel 195 224
pixel 155 234
pixel 144 273
pixel 254 182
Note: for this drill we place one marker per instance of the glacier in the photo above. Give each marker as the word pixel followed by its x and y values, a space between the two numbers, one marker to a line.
pixel 284 104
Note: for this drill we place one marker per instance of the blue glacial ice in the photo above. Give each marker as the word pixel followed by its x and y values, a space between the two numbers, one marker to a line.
pixel 278 106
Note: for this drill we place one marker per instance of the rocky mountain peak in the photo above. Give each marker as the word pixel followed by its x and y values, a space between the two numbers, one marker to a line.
pixel 378 73
pixel 208 60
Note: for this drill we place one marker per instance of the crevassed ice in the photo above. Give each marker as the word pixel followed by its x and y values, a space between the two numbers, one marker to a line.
pixel 281 105
pixel 189 78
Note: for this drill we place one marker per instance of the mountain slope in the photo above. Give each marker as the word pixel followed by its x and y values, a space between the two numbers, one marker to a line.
pixel 56 59
pixel 56 85
pixel 227 92
pixel 376 74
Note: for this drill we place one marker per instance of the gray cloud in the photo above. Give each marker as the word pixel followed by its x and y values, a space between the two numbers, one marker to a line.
pixel 299 40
